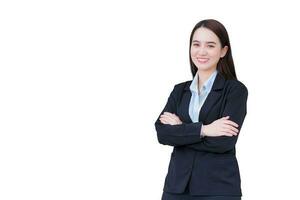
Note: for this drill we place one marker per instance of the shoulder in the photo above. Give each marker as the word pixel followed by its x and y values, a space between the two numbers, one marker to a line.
pixel 183 84
pixel 179 87
pixel 236 86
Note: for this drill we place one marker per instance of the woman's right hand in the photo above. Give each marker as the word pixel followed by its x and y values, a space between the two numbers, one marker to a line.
pixel 219 127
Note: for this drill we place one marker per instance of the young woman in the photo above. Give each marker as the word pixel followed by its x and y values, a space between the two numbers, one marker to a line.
pixel 202 120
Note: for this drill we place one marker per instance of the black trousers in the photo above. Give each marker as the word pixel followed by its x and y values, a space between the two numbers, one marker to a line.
pixel 187 196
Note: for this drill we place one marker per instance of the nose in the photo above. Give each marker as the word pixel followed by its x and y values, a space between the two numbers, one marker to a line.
pixel 202 51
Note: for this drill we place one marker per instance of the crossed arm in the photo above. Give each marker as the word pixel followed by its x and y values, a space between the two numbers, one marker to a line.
pixel 188 134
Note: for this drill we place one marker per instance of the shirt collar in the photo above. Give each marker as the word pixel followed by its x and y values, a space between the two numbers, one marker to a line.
pixel 206 86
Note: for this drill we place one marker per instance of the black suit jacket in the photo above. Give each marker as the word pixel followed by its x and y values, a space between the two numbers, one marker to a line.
pixel 209 163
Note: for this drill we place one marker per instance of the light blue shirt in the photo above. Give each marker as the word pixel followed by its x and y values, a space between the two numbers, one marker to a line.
pixel 197 98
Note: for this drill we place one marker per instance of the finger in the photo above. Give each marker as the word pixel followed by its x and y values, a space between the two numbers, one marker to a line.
pixel 172 117
pixel 169 119
pixel 226 134
pixel 167 114
pixel 228 130
pixel 170 114
pixel 229 126
pixel 177 118
pixel 232 128
pixel 164 117
pixel 163 121
pixel 224 118
pixel 166 121
pixel 231 123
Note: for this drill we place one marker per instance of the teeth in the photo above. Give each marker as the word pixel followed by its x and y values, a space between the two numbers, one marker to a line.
pixel 202 59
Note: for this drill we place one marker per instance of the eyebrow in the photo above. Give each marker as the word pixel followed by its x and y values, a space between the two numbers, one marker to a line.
pixel 206 42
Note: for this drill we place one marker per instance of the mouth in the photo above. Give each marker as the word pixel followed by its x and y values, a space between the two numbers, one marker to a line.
pixel 202 60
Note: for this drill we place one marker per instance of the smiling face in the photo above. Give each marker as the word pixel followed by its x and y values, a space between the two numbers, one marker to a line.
pixel 206 49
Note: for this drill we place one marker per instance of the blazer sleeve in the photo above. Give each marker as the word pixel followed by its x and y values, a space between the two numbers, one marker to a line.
pixel 176 135
pixel 236 108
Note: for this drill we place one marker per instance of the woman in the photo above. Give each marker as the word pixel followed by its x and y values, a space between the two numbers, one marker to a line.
pixel 202 120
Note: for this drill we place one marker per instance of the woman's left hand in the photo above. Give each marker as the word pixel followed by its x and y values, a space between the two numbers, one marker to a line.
pixel 170 118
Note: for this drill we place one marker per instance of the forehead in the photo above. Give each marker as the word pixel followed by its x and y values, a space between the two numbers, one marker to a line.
pixel 204 35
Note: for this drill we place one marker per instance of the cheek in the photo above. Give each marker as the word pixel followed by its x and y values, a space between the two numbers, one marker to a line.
pixel 215 54
pixel 193 52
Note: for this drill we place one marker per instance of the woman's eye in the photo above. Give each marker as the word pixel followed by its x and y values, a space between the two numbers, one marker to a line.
pixel 195 44
pixel 211 46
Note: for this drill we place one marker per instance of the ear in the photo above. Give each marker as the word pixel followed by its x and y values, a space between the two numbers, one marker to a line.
pixel 224 51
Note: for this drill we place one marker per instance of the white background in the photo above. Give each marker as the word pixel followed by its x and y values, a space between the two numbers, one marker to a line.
pixel 82 83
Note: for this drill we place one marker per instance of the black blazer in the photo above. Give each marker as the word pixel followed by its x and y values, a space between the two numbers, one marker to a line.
pixel 209 163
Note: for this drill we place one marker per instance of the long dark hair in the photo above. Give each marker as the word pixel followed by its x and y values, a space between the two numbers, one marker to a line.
pixel 225 65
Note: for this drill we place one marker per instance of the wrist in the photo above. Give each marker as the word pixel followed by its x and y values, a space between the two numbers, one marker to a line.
pixel 203 130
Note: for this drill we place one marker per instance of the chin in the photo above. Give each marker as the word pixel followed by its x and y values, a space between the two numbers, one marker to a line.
pixel 204 67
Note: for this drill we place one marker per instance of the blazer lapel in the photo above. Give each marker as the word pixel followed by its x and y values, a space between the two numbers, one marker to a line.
pixel 185 102
pixel 212 98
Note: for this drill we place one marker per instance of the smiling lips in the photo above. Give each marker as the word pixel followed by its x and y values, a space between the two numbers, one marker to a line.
pixel 202 60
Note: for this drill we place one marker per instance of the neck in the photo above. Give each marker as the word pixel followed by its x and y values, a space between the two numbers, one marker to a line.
pixel 203 76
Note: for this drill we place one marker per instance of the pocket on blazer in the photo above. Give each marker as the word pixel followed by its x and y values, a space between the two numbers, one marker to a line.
pixel 222 169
